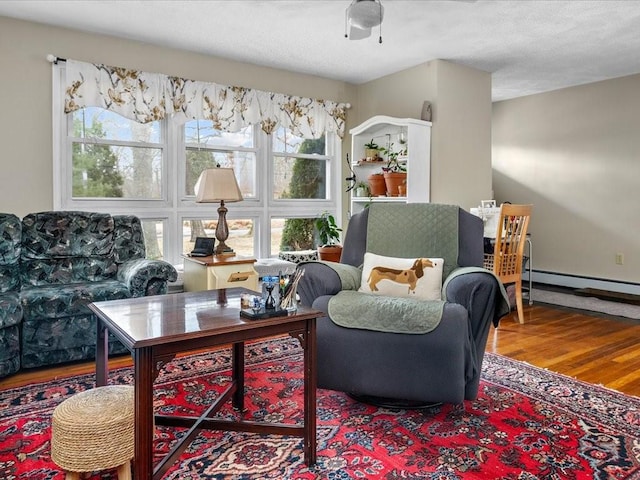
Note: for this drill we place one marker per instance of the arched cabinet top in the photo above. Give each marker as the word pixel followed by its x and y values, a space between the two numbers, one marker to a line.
pixel 374 124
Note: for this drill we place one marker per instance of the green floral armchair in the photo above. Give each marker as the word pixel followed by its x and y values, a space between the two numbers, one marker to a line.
pixel 66 261
pixel 10 308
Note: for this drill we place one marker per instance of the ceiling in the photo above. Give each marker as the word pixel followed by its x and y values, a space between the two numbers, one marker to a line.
pixel 529 46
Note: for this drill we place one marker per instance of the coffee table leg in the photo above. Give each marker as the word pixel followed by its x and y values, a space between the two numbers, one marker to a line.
pixel 237 374
pixel 102 354
pixel 310 385
pixel 144 424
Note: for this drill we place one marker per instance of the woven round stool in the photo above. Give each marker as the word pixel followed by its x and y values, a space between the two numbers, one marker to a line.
pixel 94 430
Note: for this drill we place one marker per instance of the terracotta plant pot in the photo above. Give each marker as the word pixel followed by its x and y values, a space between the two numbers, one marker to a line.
pixel 377 186
pixel 330 253
pixel 393 180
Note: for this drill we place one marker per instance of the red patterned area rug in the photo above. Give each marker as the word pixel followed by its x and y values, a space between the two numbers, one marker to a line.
pixel 527 423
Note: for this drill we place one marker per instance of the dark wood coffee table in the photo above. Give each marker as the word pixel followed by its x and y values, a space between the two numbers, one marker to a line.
pixel 158 328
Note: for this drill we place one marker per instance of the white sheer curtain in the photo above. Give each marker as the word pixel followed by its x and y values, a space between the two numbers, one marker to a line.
pixel 146 97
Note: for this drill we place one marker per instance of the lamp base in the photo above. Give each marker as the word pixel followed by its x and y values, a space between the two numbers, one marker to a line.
pixel 222 232
pixel 224 250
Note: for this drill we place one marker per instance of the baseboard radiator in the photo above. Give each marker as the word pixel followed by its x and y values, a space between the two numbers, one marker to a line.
pixel 579 282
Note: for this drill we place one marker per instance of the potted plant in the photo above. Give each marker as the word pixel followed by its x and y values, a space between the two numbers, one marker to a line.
pixel 395 174
pixel 371 150
pixel 377 186
pixel 402 188
pixel 362 189
pixel 329 232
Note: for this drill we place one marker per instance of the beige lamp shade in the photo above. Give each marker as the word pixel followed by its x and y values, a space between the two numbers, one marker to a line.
pixel 217 184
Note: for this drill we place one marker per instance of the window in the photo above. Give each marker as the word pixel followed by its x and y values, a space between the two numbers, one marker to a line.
pixel 112 157
pixel 290 234
pixel 241 237
pixel 294 173
pixel 301 175
pixel 111 164
pixel 300 167
pixel 207 147
pixel 154 238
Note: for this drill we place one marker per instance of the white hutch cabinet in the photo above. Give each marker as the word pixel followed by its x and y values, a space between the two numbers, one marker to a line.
pixel 396 134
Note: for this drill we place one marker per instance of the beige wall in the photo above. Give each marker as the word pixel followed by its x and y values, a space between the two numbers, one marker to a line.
pixel 398 95
pixel 26 99
pixel 575 155
pixel 461 173
pixel 461 131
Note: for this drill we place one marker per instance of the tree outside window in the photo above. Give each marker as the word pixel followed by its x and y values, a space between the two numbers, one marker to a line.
pixel 308 180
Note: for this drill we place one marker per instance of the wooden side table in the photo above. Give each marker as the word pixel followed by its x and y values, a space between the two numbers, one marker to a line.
pixel 218 272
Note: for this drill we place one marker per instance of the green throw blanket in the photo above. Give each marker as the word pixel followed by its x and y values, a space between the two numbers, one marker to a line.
pixel 354 309
pixel 502 307
pixel 377 312
pixel 349 275
pixel 384 314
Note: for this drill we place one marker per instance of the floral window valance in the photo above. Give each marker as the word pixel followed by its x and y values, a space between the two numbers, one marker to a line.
pixel 145 97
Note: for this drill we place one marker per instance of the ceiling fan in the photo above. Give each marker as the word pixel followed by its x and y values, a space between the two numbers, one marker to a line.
pixel 361 16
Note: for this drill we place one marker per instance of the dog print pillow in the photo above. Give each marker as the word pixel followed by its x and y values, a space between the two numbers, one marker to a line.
pixel 402 277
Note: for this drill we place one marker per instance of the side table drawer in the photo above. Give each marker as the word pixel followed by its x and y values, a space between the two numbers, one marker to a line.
pixel 228 276
pixel 212 273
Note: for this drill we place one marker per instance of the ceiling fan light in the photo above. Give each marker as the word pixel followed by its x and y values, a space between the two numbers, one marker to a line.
pixel 356 33
pixel 365 13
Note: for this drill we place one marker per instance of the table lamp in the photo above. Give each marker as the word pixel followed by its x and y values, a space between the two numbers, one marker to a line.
pixel 219 185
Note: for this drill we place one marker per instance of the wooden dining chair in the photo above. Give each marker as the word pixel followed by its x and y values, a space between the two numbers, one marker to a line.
pixel 509 248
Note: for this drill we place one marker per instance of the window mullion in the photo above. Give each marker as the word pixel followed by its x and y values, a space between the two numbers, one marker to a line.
pixel 266 183
pixel 116 143
pixel 173 140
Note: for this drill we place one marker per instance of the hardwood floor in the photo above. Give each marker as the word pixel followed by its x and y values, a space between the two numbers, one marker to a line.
pixel 596 349
pixel 603 350
pixel 44 374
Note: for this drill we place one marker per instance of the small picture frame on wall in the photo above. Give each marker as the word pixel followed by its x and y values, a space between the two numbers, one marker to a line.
pixel 488 203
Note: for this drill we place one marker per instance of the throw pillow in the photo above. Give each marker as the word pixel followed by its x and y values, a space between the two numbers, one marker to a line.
pixel 402 277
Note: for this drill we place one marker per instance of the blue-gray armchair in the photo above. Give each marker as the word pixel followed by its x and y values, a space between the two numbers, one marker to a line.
pixel 384 360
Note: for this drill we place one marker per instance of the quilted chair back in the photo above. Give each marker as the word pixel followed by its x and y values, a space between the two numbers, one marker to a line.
pixel 469 235
pixel 10 238
pixel 67 247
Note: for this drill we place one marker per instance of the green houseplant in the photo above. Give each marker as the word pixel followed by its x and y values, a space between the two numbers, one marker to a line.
pixel 329 233
pixel 371 150
pixel 392 160
pixel 395 174
pixel 362 189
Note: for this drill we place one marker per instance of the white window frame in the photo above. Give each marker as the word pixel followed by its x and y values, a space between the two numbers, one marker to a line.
pixel 175 207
